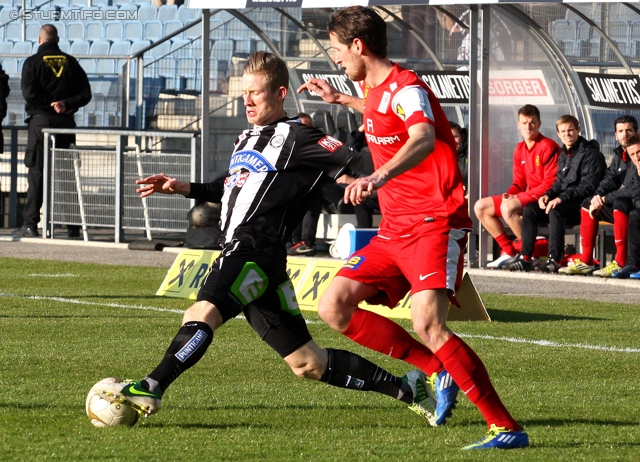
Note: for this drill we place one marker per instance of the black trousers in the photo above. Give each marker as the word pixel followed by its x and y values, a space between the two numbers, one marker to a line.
pixel 622 204
pixel 567 214
pixel 34 160
pixel 634 237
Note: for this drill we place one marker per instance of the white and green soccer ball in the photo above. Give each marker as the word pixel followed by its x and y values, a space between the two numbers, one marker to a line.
pixel 107 407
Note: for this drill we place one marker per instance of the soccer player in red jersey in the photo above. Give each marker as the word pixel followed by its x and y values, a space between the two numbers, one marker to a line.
pixel 422 235
pixel 535 163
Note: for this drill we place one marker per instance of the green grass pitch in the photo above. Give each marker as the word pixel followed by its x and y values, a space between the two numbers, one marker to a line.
pixel 568 371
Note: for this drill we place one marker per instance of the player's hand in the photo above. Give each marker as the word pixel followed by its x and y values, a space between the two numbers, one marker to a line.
pixel 552 204
pixel 345 179
pixel 361 188
pixel 59 107
pixel 597 202
pixel 593 211
pixel 322 88
pixel 542 202
pixel 162 184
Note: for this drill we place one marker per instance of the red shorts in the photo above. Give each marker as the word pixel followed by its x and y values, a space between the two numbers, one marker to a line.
pixel 431 258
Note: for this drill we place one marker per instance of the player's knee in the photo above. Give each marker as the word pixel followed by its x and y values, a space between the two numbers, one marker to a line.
pixel 307 370
pixel 479 209
pixel 329 310
pixel 203 311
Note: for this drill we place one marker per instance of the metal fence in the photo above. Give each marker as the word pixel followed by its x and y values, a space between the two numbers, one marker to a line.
pixel 92 184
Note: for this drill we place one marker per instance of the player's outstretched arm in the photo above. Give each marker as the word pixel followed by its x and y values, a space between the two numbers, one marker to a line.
pixel 162 184
pixel 331 95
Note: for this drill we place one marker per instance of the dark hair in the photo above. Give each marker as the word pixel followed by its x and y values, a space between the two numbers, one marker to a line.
pixel 626 119
pixel 566 119
pixel 635 139
pixel 359 22
pixel 529 110
pixel 273 68
pixel 49 33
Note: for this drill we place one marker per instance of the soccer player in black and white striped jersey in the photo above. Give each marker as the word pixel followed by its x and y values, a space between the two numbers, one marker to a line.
pixel 275 170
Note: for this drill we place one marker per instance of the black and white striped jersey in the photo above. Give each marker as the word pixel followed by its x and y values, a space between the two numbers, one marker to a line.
pixel 274 173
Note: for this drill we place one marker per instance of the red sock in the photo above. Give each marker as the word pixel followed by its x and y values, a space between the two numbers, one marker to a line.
pixel 620 229
pixel 588 233
pixel 468 371
pixel 505 244
pixel 385 336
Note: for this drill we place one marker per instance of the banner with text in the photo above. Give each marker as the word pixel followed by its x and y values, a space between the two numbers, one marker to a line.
pixel 337 79
pixel 610 90
pixel 310 278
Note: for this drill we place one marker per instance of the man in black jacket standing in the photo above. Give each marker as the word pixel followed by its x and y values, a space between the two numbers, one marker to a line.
pixel 581 166
pixel 4 93
pixel 54 87
pixel 611 203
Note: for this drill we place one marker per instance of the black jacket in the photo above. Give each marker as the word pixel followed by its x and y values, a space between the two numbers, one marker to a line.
pixel 617 179
pixel 580 170
pixel 634 185
pixel 4 93
pixel 51 75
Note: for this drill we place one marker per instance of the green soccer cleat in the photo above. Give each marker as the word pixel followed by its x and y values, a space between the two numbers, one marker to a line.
pixel 424 404
pixel 577 267
pixel 143 401
pixel 609 270
pixel 501 438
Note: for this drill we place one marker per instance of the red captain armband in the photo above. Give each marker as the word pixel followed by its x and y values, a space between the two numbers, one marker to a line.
pixel 330 143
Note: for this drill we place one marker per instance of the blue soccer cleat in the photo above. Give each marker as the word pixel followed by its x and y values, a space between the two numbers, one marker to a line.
pixel 501 438
pixel 626 272
pixel 445 393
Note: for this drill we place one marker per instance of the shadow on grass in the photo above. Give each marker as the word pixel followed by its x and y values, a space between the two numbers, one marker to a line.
pixel 523 316
pixel 207 426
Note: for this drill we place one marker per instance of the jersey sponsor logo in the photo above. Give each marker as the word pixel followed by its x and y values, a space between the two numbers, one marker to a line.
pixel 370 125
pixel 276 141
pixel 383 140
pixel 354 262
pixel 251 160
pixel 56 63
pixel 330 143
pixel 384 102
pixel 401 112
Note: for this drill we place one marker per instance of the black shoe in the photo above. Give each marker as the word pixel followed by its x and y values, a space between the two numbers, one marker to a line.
pixel 547 266
pixel 305 249
pixel 518 263
pixel 73 231
pixel 26 231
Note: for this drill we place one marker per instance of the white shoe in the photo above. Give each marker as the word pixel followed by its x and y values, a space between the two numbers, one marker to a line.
pixel 423 403
pixel 496 264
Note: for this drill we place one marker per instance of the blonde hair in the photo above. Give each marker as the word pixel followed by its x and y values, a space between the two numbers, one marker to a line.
pixel 273 68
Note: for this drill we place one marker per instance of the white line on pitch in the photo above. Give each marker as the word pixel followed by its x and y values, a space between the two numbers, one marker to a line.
pixel 544 343
pixel 549 343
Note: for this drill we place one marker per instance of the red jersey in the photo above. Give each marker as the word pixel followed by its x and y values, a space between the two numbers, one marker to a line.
pixel 433 188
pixel 534 170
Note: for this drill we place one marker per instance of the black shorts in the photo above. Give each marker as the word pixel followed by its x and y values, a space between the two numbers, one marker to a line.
pixel 245 280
